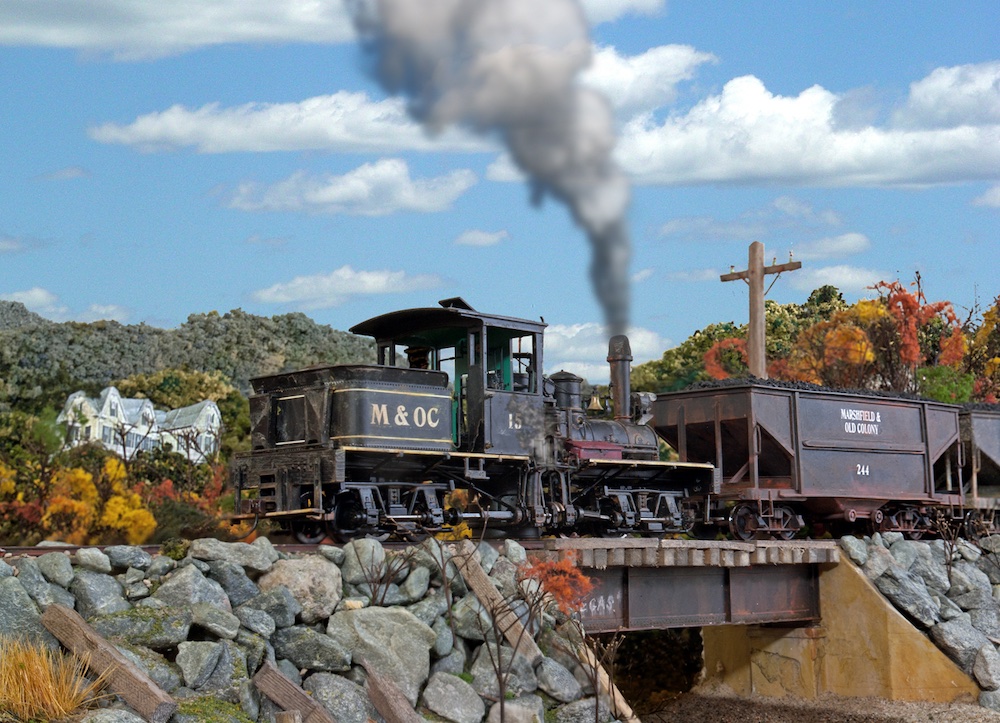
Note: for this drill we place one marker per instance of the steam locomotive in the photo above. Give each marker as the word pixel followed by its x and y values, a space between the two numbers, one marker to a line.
pixel 456 423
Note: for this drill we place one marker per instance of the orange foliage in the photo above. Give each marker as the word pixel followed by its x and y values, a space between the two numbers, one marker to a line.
pixel 714 357
pixel 911 311
pixel 562 580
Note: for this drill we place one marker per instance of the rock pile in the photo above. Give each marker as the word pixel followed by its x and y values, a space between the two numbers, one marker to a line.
pixel 950 589
pixel 201 626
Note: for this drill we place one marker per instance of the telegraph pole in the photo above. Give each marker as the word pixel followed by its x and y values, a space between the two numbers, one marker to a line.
pixel 754 276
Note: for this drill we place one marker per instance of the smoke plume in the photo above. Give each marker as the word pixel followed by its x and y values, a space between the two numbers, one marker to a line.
pixel 510 67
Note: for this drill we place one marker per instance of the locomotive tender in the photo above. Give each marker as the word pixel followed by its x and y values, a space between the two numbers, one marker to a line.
pixel 468 430
pixel 456 423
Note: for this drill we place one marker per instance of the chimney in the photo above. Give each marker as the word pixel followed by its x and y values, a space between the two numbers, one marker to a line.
pixel 619 357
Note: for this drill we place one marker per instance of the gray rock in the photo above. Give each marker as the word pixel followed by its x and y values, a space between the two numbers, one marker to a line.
pixel 197 659
pixel 445 639
pixel 514 552
pixel 856 549
pixel 220 623
pixel 909 594
pixel 526 709
pixel 488 555
pixel 287 668
pixel 264 546
pixel 234 580
pixel 966 577
pixel 93 559
pixel 255 620
pixel 43 592
pixel 452 698
pixel 959 640
pixel 990 699
pixel 279 603
pixel 556 680
pixel 416 585
pixel 111 715
pixel 56 567
pixel 490 661
pixel 582 711
pixel 162 672
pixel 6 570
pixel 453 662
pixel 986 668
pixel 199 709
pixel 364 561
pixel 990 566
pixel 252 557
pixel 187 585
pixel 333 554
pixel 433 606
pixel 314 581
pixel 124 556
pixel 19 618
pixel 968 551
pixel 257 649
pixel 390 640
pixel 504 576
pixel 159 567
pixel 347 702
pixel 158 629
pixel 229 675
pixel 471 619
pixel 891 538
pixel 879 560
pixel 97 594
pixel 309 649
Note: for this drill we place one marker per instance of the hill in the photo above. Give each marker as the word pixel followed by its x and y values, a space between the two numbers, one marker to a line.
pixel 42 362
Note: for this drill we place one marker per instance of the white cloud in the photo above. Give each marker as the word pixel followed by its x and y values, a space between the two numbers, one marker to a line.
pixel 990 199
pixel 952 97
pixel 9 245
pixel 706 228
pixel 583 349
pixel 322 291
pixel 41 301
pixel 602 11
pixel 849 279
pixel 342 122
pixel 834 247
pixel 374 189
pixel 66 174
pixel 642 275
pixel 140 29
pixel 694 275
pixel 476 237
pixel 747 134
pixel 503 169
pixel 639 83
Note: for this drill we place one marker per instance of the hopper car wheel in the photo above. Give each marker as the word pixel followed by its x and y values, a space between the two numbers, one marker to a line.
pixel 784 518
pixel 910 520
pixel 743 522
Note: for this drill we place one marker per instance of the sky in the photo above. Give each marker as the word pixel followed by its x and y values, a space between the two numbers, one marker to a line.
pixel 161 159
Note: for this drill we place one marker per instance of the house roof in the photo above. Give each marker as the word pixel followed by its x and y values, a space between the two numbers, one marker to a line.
pixel 185 416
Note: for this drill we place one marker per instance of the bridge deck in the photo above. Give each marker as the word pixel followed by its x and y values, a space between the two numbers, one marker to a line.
pixel 648 584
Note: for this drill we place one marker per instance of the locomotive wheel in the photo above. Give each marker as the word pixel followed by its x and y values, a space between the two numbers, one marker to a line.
pixel 784 519
pixel 743 522
pixel 309 532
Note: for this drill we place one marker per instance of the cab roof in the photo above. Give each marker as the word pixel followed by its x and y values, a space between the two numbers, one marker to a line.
pixel 454 313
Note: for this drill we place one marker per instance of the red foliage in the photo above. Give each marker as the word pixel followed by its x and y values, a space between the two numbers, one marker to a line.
pixel 910 312
pixel 562 580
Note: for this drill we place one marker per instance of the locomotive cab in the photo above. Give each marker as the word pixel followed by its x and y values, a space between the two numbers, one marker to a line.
pixel 493 363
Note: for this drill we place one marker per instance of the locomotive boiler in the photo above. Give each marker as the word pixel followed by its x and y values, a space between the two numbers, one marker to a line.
pixel 454 423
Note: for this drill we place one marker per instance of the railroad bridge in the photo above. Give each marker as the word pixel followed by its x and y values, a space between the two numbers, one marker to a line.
pixel 776 617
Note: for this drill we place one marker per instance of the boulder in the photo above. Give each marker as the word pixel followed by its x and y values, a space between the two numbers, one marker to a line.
pixel 314 581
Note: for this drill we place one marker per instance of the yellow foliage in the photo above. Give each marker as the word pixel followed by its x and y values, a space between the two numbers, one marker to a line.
pixel 847 344
pixel 37 683
pixel 868 311
pixel 68 520
pixel 125 514
pixel 992 366
pixel 76 484
pixel 114 472
pixel 8 485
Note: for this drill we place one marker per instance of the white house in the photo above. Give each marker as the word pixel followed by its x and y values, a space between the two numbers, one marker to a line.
pixel 126 426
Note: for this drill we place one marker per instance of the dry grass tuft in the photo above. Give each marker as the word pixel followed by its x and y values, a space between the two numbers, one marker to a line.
pixel 39 683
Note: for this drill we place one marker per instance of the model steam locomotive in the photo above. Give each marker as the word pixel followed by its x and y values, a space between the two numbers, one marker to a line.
pixel 456 423
pixel 463 428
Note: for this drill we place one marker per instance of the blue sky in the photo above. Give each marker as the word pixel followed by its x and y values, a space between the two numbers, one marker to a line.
pixel 163 159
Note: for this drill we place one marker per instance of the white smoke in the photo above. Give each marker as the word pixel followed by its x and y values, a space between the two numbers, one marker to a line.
pixel 510 67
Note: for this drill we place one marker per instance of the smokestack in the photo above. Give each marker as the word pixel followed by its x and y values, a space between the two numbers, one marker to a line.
pixel 620 358
pixel 509 68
